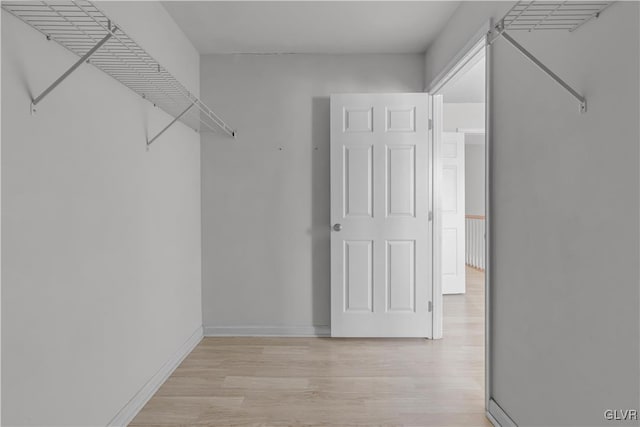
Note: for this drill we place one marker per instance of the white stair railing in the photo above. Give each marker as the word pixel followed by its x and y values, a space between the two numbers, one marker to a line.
pixel 474 232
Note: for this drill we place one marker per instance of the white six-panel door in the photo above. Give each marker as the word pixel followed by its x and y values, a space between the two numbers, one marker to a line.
pixel 381 284
pixel 452 193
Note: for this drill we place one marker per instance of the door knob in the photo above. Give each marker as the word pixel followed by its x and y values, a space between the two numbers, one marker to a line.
pixel 337 227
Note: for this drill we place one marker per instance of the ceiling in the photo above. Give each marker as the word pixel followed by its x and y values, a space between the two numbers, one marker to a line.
pixel 311 26
pixel 468 87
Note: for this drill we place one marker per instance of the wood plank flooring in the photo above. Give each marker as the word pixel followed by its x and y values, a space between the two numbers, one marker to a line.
pixel 327 382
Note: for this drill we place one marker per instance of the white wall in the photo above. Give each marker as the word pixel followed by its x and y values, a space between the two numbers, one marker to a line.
pixel 565 215
pixel 265 196
pixel 100 238
pixel 464 115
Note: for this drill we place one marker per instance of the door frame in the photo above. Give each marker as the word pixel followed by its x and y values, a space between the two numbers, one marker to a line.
pixel 458 63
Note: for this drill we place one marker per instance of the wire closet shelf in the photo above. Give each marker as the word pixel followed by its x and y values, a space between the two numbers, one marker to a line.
pixel 547 15
pixel 552 15
pixel 85 30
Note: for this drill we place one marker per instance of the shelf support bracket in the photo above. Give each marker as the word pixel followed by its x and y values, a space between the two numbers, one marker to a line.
pixel 149 142
pixel 66 74
pixel 500 31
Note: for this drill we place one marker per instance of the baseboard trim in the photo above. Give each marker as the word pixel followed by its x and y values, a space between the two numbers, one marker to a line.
pixel 498 416
pixel 137 402
pixel 267 331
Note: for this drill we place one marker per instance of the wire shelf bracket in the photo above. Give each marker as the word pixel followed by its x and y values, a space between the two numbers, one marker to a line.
pixel 547 15
pixel 178 117
pixel 82 28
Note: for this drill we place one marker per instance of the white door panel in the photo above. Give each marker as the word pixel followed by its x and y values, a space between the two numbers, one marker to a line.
pixel 358 275
pixel 358 181
pixel 453 212
pixel 381 257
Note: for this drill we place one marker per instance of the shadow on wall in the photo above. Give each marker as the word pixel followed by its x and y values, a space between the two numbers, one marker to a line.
pixel 21 72
pixel 320 212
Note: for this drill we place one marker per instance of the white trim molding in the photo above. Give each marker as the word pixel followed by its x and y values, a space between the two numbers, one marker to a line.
pixel 137 402
pixel 488 197
pixel 437 114
pixel 460 60
pixel 498 416
pixel 267 331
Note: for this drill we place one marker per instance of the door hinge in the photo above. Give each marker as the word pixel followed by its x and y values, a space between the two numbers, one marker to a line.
pixel 430 306
pixel 430 124
pixel 430 215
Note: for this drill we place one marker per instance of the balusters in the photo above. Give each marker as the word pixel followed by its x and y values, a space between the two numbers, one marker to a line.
pixel 474 239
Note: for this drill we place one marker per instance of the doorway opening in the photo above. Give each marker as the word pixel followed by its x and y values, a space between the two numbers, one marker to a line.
pixel 460 153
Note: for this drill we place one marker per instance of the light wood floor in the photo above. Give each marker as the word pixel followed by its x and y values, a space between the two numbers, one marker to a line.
pixel 324 381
